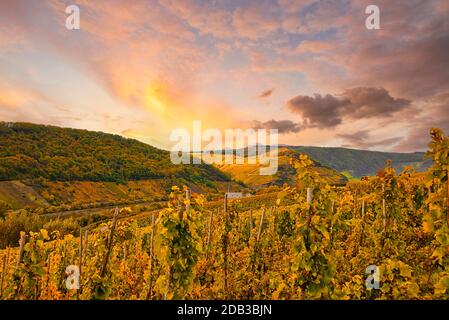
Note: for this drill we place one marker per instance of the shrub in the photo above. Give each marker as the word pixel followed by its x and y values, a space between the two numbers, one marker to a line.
pixel 15 222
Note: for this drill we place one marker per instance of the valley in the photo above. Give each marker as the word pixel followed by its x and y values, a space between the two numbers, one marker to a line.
pixel 307 232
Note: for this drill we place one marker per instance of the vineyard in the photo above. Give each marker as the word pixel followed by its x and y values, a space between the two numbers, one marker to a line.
pixel 312 241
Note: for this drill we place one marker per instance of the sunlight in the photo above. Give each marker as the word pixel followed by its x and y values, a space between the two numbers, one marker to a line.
pixel 153 98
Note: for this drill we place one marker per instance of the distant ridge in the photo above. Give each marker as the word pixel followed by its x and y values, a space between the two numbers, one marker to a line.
pixel 249 174
pixel 354 162
pixel 360 163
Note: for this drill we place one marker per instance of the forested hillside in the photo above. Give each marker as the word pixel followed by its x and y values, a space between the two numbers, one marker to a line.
pixel 286 173
pixel 360 163
pixel 30 151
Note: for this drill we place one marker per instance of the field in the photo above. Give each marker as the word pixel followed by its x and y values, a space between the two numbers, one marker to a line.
pixel 383 237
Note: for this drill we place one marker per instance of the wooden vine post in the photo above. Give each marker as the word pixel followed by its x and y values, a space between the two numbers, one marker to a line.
pixel 260 225
pixel 384 209
pixel 150 289
pixel 48 271
pixel 209 232
pixel 21 247
pixel 309 195
pixel 3 275
pixel 180 216
pixel 309 201
pixel 447 199
pixel 273 214
pixel 188 199
pixel 110 242
pixel 125 253
pixel 363 209
pixel 86 242
pixel 250 222
pixel 80 253
pixel 225 204
pixel 362 222
pixel 226 240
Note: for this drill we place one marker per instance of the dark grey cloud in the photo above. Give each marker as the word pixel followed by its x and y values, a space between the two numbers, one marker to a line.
pixel 283 126
pixel 319 111
pixel 372 102
pixel 355 103
pixel 266 93
pixel 362 140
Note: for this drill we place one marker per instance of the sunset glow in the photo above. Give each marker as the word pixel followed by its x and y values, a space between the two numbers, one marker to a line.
pixel 149 67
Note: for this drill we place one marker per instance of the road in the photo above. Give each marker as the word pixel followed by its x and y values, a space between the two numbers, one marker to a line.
pixel 68 213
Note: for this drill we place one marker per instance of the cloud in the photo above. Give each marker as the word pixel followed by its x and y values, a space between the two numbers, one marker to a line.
pixel 435 114
pixel 158 60
pixel 14 97
pixel 207 18
pixel 310 17
pixel 407 58
pixel 372 102
pixel 266 93
pixel 257 20
pixel 163 58
pixel 336 51
pixel 356 103
pixel 283 126
pixel 417 68
pixel 318 111
pixel 314 46
pixel 363 140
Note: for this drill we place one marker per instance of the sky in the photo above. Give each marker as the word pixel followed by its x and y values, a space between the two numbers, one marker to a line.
pixel 309 68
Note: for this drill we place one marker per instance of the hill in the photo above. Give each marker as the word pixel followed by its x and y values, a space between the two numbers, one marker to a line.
pixel 358 163
pixel 30 151
pixel 249 173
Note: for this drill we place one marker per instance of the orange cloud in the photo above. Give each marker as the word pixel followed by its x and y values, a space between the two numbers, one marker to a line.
pixel 257 20
pixel 14 97
pixel 311 46
pixel 152 57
